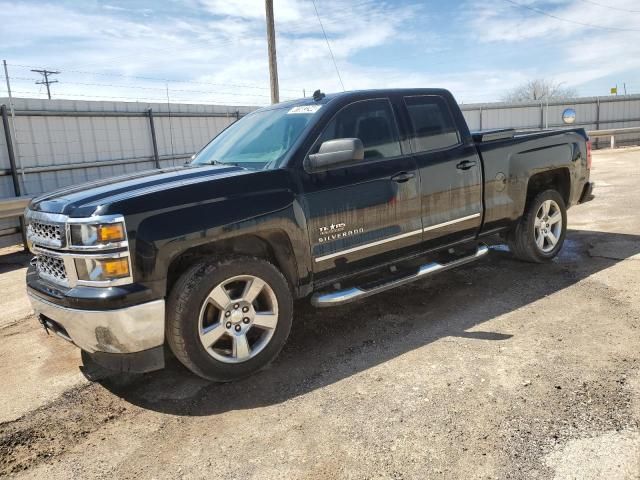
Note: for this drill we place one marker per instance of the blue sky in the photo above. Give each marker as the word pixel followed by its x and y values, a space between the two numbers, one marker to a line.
pixel 214 51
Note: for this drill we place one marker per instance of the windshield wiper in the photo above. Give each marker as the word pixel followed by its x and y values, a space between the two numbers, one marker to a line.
pixel 213 162
pixel 218 162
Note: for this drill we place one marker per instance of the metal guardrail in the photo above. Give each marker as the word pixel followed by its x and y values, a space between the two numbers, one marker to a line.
pixel 612 132
pixel 13 207
pixel 99 163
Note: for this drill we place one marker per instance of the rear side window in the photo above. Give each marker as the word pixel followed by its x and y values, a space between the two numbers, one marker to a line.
pixel 433 125
pixel 371 121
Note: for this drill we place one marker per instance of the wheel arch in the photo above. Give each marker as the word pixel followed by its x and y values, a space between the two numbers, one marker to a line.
pixel 271 245
pixel 558 179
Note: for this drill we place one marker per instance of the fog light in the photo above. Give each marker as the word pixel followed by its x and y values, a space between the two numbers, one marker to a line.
pixel 115 267
pixel 102 269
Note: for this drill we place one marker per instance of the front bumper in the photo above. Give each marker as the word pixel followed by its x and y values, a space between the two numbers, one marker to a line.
pixel 122 331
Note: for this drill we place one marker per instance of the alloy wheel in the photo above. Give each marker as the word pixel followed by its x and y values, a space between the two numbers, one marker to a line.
pixel 548 226
pixel 238 319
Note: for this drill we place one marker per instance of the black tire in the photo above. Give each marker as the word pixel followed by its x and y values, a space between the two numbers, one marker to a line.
pixel 187 298
pixel 521 239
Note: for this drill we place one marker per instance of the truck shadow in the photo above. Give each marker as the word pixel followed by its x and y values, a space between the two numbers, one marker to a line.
pixel 329 345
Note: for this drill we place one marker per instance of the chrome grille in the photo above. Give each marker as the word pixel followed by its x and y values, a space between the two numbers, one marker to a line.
pixel 54 261
pixel 51 268
pixel 45 233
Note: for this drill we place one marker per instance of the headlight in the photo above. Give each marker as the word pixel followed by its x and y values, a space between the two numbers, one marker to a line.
pixel 102 269
pixel 87 234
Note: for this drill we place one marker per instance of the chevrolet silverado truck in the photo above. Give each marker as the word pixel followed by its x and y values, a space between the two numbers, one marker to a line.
pixel 335 198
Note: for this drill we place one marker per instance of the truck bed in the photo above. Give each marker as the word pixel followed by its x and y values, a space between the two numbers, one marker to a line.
pixel 511 159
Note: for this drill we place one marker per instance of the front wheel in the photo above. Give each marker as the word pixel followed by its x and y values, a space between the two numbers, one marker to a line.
pixel 227 319
pixel 540 233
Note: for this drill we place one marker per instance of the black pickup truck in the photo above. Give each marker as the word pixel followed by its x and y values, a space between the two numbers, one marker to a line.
pixel 335 197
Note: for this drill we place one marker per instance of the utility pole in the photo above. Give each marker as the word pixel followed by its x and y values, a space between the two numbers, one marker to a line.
pixel 273 63
pixel 45 74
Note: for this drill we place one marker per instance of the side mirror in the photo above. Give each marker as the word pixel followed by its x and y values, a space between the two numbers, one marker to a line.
pixel 335 153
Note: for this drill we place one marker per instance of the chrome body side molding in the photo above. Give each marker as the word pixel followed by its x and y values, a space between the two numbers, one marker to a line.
pixel 450 222
pixel 367 245
pixel 394 238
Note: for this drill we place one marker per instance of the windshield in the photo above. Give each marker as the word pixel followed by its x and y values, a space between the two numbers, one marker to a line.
pixel 258 141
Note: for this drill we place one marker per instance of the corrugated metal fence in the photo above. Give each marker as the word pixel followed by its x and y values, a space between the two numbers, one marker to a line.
pixel 592 113
pixel 62 142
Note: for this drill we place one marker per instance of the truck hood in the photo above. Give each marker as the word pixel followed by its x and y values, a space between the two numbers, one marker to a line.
pixel 86 199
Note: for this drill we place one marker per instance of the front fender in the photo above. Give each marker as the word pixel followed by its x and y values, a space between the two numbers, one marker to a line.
pixel 162 235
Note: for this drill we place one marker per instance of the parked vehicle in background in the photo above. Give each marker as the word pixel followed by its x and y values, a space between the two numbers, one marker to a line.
pixel 335 198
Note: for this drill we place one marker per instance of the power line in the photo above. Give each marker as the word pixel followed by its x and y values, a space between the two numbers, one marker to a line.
pixel 91 84
pixel 220 100
pixel 45 75
pixel 328 45
pixel 157 79
pixel 610 7
pixel 551 15
pixel 115 97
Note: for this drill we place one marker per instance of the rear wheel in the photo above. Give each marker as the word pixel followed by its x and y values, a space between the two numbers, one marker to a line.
pixel 540 233
pixel 227 319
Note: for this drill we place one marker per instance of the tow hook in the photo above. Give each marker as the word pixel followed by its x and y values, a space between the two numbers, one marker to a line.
pixel 43 322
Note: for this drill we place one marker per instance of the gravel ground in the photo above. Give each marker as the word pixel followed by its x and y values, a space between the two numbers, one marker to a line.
pixel 497 370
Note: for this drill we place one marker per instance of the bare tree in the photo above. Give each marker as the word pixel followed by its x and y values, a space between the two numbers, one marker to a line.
pixel 539 89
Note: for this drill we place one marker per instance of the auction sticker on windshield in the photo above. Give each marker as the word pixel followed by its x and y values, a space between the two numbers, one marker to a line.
pixel 305 109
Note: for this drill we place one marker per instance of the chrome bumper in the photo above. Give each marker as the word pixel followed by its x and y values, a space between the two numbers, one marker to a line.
pixel 126 330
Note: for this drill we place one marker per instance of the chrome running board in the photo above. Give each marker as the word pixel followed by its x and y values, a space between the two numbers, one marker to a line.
pixel 341 297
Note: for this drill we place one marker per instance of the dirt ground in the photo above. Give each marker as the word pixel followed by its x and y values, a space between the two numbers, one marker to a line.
pixel 497 370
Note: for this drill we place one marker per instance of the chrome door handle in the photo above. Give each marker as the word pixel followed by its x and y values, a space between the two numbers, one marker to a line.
pixel 402 177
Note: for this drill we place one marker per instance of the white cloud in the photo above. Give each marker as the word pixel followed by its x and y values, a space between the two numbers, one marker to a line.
pixel 226 48
pixel 285 10
pixel 506 21
pixel 218 47
pixel 585 53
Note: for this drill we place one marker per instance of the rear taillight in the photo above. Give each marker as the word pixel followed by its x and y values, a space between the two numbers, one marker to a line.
pixel 588 154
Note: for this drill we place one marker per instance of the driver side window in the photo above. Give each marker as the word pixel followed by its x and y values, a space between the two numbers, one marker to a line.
pixel 371 121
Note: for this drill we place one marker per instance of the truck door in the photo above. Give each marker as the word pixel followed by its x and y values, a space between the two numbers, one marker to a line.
pixel 450 172
pixel 367 209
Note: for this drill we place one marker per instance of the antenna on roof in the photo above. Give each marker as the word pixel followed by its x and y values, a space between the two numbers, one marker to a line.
pixel 318 95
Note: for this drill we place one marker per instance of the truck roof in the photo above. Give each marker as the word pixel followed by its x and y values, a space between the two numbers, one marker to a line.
pixel 358 95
